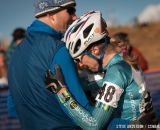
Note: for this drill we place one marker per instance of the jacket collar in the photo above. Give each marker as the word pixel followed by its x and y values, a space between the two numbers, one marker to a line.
pixel 42 27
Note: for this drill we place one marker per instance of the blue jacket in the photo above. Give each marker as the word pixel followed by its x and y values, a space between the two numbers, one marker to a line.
pixel 37 108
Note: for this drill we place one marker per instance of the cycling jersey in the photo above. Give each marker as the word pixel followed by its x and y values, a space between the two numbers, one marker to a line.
pixel 120 98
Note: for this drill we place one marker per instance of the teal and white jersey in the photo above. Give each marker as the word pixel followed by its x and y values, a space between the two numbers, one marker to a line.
pixel 124 89
pixel 122 95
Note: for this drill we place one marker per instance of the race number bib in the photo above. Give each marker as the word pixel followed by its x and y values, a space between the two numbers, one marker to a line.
pixel 109 94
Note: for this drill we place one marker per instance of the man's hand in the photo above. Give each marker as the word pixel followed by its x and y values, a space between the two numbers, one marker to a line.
pixel 54 83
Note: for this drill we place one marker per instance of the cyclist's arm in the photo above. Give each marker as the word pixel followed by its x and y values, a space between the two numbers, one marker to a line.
pixel 94 120
pixel 107 99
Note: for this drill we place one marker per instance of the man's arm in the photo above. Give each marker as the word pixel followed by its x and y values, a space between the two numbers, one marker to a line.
pixel 70 75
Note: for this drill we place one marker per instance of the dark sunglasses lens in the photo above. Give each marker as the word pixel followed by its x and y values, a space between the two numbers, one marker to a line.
pixel 71 10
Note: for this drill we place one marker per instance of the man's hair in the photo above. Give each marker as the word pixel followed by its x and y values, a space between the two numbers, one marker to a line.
pixel 18 33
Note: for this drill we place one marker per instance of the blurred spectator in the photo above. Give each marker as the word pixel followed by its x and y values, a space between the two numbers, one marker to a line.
pixel 3 71
pixel 4 42
pixel 6 122
pixel 18 34
pixel 121 36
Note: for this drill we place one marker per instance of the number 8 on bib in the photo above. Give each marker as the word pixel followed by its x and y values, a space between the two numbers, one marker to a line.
pixel 109 94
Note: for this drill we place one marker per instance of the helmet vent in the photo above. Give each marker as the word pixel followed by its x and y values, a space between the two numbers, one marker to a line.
pixel 87 30
pixel 76 28
pixel 69 46
pixel 78 45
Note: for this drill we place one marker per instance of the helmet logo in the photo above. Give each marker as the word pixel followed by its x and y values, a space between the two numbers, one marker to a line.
pixel 89 39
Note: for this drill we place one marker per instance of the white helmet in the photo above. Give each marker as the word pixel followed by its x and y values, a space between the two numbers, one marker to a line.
pixel 86 30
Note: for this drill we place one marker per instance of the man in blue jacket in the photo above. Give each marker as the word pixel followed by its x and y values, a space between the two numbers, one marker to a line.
pixel 42 47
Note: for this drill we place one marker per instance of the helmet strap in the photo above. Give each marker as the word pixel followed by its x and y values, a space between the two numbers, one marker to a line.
pixel 99 60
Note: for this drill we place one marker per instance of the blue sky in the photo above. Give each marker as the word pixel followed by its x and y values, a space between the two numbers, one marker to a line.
pixel 20 13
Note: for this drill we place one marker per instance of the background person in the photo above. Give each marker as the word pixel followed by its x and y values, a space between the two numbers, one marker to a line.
pixel 123 37
pixel 6 121
pixel 18 35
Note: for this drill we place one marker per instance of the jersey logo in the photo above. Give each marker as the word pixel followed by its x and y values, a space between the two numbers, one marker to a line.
pixel 73 105
pixel 109 94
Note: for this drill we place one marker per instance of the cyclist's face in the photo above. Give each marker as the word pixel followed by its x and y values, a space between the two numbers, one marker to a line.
pixel 88 63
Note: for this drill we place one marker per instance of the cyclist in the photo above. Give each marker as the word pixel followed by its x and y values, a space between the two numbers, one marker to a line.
pixel 120 97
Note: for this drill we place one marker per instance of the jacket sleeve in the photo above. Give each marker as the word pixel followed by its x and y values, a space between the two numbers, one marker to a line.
pixel 64 60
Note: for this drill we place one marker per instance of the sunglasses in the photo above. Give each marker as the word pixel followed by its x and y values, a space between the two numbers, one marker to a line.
pixel 79 58
pixel 70 10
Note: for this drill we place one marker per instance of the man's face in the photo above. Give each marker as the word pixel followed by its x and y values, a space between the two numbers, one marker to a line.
pixel 64 18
